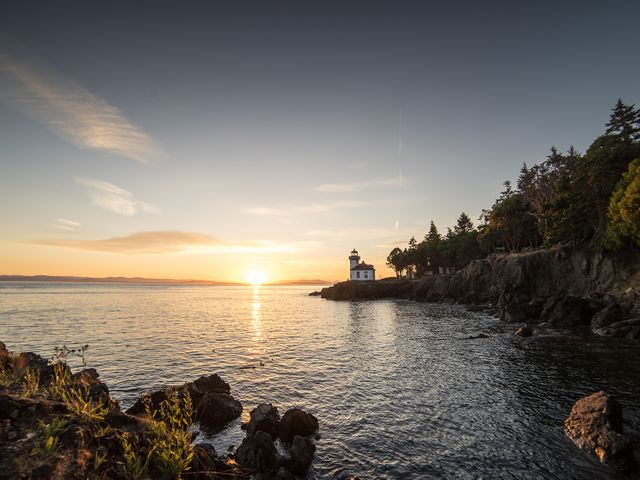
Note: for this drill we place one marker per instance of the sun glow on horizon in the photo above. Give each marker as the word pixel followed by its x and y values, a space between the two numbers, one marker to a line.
pixel 256 277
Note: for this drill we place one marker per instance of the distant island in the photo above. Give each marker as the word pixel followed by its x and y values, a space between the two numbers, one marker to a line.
pixel 164 281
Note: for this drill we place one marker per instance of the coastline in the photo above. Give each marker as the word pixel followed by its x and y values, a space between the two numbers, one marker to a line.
pixel 559 287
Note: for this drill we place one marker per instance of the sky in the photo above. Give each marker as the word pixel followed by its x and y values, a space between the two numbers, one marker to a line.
pixel 208 140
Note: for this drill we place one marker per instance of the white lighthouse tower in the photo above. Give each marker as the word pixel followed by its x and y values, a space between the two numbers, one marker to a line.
pixel 354 259
pixel 360 271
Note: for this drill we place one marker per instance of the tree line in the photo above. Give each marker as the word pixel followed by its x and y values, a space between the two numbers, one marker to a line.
pixel 590 199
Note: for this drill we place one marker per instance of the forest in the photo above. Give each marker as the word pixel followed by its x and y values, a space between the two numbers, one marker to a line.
pixel 589 200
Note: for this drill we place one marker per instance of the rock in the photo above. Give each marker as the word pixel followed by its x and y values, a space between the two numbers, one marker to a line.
pixel 264 418
pixel 257 452
pixel 302 450
pixel 595 425
pixel 284 474
pixel 89 379
pixel 216 409
pixel 3 350
pixel 629 329
pixel 315 294
pixel 203 385
pixel 213 405
pixel 30 361
pixel 612 313
pixel 297 422
pixel 480 335
pixel 204 461
pixel 524 331
pixel 567 311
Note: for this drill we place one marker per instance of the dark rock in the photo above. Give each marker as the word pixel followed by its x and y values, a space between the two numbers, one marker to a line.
pixel 257 452
pixel 629 329
pixel 297 422
pixel 284 474
pixel 215 410
pixel 612 313
pixel 3 350
pixel 315 294
pixel 524 331
pixel 31 361
pixel 264 418
pixel 595 425
pixel 480 335
pixel 302 450
pixel 213 405
pixel 89 380
pixel 155 399
pixel 203 385
pixel 204 461
pixel 567 311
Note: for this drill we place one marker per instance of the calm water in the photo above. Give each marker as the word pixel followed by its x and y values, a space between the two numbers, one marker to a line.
pixel 398 390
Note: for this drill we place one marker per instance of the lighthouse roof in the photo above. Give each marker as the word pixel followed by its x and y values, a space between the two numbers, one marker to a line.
pixel 363 266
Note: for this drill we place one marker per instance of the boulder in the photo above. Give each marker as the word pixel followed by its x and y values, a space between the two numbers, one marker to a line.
pixel 257 452
pixel 302 450
pixel 524 331
pixel 217 409
pixel 213 405
pixel 612 313
pixel 567 311
pixel 89 380
pixel 629 329
pixel 204 461
pixel 297 422
pixel 264 418
pixel 595 425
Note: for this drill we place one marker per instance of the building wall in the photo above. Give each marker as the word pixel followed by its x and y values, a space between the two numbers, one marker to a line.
pixel 363 275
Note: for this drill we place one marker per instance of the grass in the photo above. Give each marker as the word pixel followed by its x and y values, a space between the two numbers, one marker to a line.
pixel 170 432
pixel 31 382
pixel 76 398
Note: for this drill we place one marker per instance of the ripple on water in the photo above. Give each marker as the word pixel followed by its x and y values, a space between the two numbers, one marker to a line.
pixel 400 390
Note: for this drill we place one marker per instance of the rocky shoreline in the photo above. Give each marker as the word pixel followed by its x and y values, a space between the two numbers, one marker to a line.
pixel 558 287
pixel 55 424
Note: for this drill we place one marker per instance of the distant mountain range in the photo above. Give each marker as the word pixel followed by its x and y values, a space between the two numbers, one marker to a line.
pixel 73 279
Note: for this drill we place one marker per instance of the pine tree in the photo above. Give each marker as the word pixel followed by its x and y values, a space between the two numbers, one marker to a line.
pixel 624 122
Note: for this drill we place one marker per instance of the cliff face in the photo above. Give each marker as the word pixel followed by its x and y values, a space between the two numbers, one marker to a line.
pixel 560 286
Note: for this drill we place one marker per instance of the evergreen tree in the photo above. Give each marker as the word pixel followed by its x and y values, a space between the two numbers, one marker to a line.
pixel 624 122
pixel 464 225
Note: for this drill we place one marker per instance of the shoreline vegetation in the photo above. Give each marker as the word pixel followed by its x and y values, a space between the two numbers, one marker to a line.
pixel 562 249
pixel 55 424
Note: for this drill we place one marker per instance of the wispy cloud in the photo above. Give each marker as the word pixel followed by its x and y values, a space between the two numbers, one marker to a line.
pixel 363 185
pixel 114 198
pixel 167 242
pixel 287 210
pixel 64 224
pixel 72 112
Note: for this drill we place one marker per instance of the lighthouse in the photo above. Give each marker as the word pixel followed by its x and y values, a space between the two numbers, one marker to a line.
pixel 360 271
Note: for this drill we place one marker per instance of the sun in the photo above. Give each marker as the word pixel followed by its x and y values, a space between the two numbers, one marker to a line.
pixel 256 277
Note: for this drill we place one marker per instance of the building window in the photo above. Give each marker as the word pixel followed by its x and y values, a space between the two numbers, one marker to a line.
pixel 366 274
pixel 358 274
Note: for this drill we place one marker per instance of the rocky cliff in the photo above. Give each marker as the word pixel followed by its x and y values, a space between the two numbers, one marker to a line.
pixel 559 286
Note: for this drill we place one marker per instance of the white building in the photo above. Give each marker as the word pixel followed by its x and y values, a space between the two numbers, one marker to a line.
pixel 360 271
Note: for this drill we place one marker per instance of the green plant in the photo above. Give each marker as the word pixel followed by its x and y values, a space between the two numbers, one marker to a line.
pixel 58 426
pixel 135 465
pixel 31 382
pixel 76 398
pixel 99 458
pixel 48 436
pixel 169 432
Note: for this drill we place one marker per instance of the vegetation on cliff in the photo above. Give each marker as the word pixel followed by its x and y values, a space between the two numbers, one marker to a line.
pixel 590 199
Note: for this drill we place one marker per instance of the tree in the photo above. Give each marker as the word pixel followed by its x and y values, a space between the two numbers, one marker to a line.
pixel 464 225
pixel 396 261
pixel 624 209
pixel 624 122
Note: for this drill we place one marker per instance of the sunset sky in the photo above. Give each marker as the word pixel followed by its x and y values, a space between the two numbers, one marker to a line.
pixel 209 139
